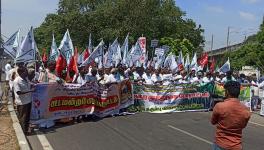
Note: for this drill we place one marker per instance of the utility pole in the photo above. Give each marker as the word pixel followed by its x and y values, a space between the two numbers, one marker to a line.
pixel 1 50
pixel 212 43
pixel 227 40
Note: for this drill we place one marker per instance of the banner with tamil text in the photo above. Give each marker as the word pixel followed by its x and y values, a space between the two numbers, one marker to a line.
pixel 160 99
pixel 55 101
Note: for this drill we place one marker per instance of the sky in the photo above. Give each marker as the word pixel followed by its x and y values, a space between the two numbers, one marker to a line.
pixel 242 16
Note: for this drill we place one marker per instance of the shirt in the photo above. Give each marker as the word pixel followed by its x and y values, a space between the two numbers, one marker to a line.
pixel 147 79
pixel 80 80
pixel 7 69
pixel 155 78
pixel 230 117
pixel 224 80
pixel 23 86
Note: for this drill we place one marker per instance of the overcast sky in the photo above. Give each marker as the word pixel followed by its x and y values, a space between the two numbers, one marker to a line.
pixel 243 16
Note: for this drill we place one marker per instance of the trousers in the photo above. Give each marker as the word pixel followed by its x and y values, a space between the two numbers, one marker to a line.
pixel 23 114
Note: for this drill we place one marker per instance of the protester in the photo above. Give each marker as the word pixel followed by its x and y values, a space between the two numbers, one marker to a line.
pixel 230 118
pixel 23 90
pixel 228 77
pixel 7 72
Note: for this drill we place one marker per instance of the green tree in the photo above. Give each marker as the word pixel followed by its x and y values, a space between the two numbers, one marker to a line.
pixel 109 19
pixel 250 54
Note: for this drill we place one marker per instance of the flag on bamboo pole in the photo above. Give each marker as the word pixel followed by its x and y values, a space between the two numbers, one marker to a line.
pixel 28 49
pixel 54 53
pixel 98 52
pixel 66 47
pixel 12 44
pixel 124 50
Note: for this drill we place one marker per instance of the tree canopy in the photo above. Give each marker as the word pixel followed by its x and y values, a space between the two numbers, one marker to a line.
pixel 108 19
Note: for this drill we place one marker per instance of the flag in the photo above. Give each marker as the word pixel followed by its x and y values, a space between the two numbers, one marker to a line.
pixel 118 57
pixel 54 53
pixel 180 61
pixel 194 62
pixel 80 58
pixel 27 50
pixel 203 60
pixel 142 43
pixel 90 46
pixel 98 52
pixel 173 65
pixel 66 47
pixel 44 56
pixel 12 44
pixel 226 67
pixel 187 62
pixel 136 53
pixel 73 66
pixel 61 64
pixel 124 50
pixel 168 61
pixel 212 66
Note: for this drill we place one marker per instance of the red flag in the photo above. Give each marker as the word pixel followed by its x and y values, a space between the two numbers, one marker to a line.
pixel 86 54
pixel 73 65
pixel 212 66
pixel 203 60
pixel 44 56
pixel 61 64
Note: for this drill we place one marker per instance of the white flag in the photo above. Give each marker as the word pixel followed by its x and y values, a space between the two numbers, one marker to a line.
pixel 98 52
pixel 124 50
pixel 12 44
pixel 187 62
pixel 54 53
pixel 194 61
pixel 173 65
pixel 27 50
pixel 117 55
pixel 136 53
pixel 226 67
pixel 90 46
pixel 66 47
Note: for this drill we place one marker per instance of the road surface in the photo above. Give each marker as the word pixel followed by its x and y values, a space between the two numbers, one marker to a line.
pixel 144 131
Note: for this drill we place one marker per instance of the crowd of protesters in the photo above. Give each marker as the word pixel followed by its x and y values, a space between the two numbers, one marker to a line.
pixel 22 78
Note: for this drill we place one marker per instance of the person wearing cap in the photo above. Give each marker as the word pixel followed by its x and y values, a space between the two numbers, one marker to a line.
pixel 230 118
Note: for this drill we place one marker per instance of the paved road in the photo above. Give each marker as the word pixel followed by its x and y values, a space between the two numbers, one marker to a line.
pixel 144 131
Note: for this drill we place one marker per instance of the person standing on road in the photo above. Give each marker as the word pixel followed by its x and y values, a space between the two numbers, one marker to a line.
pixel 7 71
pixel 230 118
pixel 22 90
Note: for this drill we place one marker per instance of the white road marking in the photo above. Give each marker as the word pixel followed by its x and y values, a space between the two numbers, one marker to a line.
pixel 194 136
pixel 44 141
pixel 257 124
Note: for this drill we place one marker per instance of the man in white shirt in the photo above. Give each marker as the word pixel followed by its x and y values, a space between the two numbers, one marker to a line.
pixel 147 77
pixel 199 77
pixel 228 77
pixel 156 78
pixel 92 77
pixel 7 69
pixel 22 91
